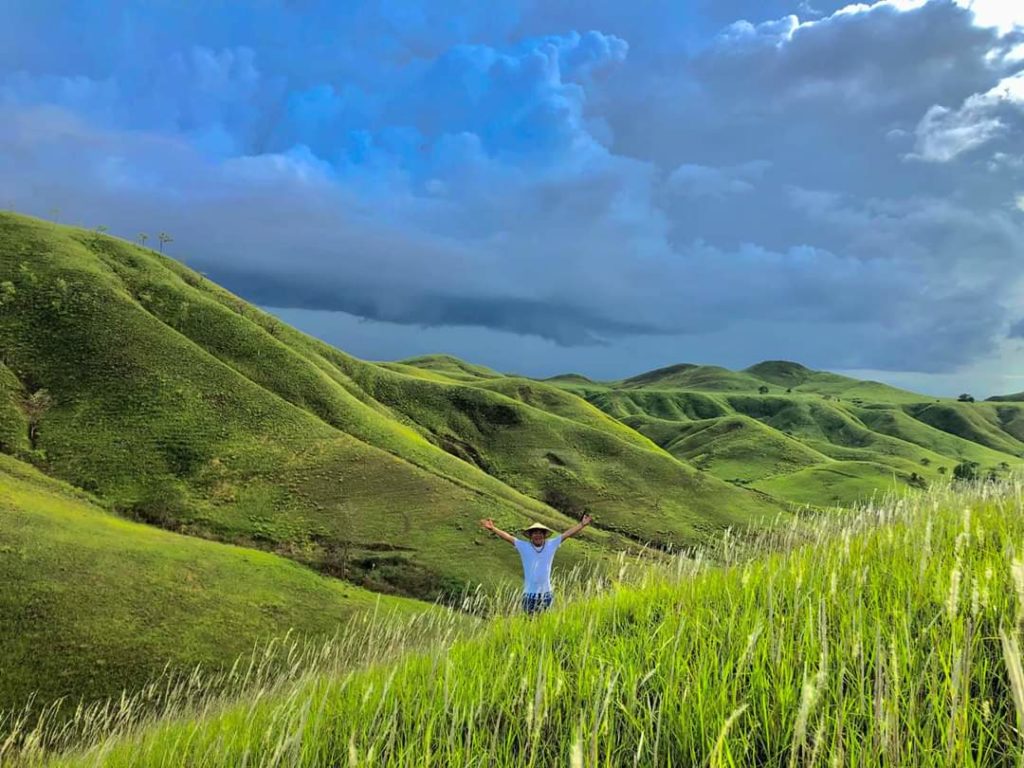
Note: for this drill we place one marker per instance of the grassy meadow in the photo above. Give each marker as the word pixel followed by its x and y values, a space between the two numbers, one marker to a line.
pixel 888 635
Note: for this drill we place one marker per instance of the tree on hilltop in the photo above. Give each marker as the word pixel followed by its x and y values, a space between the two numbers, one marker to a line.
pixel 164 238
pixel 142 238
pixel 965 398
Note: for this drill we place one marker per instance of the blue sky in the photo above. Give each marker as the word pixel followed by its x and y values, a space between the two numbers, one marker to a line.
pixel 542 187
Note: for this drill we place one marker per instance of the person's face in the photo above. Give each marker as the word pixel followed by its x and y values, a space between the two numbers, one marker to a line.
pixel 537 537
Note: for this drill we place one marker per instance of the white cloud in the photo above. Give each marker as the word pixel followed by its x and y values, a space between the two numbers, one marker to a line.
pixel 1004 15
pixel 944 134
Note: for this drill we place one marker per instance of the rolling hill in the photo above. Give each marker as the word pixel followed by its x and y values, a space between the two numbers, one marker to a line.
pixel 146 397
pixel 172 403
pixel 1017 398
pixel 179 405
pixel 808 437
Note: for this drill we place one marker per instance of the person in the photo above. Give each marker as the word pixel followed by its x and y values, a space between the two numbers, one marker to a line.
pixel 537 554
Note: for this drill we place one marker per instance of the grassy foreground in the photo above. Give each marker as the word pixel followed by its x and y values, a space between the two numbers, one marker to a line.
pixel 887 637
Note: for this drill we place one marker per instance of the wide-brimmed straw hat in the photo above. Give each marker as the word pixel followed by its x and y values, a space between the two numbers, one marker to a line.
pixel 537 527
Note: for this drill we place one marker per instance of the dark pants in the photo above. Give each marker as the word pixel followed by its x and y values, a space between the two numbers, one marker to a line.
pixel 537 602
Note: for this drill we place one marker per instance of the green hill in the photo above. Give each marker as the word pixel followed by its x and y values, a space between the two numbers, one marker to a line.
pixel 697 377
pixel 832 484
pixel 1010 418
pixel 897 423
pixel 808 437
pixel 796 378
pixel 1017 398
pixel 980 423
pixel 449 366
pixel 733 447
pixel 781 373
pixel 182 406
pixel 570 378
pixel 185 407
pixel 563 451
pixel 779 377
pixel 93 603
pixel 674 405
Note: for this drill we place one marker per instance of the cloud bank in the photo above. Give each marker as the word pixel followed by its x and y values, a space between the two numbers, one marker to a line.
pixel 839 185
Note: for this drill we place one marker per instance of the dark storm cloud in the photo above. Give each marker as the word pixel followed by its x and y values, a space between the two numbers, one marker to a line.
pixel 564 325
pixel 666 171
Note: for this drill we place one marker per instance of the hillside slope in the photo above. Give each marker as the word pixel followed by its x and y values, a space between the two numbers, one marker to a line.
pixel 93 604
pixel 1015 398
pixel 185 407
pixel 800 379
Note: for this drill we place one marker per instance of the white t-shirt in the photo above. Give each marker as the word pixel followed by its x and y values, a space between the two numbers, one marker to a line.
pixel 537 564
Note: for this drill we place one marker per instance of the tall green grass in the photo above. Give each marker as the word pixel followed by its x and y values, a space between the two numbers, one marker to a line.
pixel 886 636
pixel 38 730
pixel 29 735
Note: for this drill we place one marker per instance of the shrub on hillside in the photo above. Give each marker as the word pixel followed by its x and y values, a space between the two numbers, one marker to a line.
pixel 966 471
pixel 563 502
pixel 163 504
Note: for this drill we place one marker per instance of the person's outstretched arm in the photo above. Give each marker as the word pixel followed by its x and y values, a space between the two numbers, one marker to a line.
pixel 489 525
pixel 583 523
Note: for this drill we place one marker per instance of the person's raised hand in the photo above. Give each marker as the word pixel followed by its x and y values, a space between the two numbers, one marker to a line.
pixel 488 524
pixel 586 519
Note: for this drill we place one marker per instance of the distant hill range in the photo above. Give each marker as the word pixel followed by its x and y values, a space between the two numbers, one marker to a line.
pixel 1017 398
pixel 137 395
